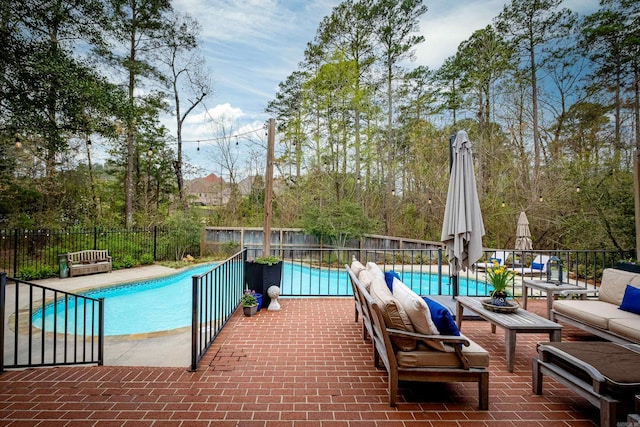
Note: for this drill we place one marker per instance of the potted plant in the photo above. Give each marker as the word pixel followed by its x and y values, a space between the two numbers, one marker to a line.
pixel 249 303
pixel 629 264
pixel 500 277
pixel 261 273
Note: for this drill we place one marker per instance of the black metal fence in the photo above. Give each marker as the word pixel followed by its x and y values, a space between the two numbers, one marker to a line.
pixel 313 272
pixel 425 270
pixel 216 295
pixel 35 253
pixel 48 327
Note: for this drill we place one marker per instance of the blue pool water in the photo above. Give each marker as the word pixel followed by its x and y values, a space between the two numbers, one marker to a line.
pixel 165 303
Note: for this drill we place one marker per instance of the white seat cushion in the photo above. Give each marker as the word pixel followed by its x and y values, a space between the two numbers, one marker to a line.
pixel 425 356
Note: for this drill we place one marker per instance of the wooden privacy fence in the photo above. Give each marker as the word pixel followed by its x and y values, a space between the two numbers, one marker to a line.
pixel 282 239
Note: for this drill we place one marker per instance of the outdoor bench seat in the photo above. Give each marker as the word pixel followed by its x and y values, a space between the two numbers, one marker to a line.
pixel 604 373
pixel 603 316
pixel 460 360
pixel 88 262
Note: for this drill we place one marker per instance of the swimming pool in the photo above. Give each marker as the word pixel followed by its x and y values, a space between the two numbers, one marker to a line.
pixel 165 303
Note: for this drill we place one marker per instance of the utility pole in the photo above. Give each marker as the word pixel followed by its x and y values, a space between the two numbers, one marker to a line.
pixel 636 196
pixel 268 189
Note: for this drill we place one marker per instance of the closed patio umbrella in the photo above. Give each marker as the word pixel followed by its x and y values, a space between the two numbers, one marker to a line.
pixel 523 234
pixel 462 228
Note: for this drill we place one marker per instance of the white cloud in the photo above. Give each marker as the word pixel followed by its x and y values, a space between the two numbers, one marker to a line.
pixel 447 24
pixel 224 112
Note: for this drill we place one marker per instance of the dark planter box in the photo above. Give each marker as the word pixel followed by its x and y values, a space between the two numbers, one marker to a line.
pixel 259 277
pixel 626 266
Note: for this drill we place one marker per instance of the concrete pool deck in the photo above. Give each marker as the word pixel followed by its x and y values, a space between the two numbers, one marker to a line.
pixel 163 349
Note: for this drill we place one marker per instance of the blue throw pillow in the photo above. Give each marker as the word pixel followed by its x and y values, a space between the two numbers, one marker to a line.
pixel 536 266
pixel 388 277
pixel 442 318
pixel 631 300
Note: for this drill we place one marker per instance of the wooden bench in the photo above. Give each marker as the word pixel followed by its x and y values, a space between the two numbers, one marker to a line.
pixel 449 366
pixel 88 262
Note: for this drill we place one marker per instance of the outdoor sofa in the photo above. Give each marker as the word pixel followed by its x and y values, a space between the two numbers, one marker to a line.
pixel 613 315
pixel 405 340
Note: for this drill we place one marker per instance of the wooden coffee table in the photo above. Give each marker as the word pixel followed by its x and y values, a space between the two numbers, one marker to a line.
pixel 522 321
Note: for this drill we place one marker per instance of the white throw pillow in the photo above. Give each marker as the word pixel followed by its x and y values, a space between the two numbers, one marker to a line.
pixel 415 307
pixel 356 267
pixel 375 270
pixel 393 314
pixel 365 277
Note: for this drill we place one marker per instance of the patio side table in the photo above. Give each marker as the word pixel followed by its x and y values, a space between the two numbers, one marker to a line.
pixel 552 290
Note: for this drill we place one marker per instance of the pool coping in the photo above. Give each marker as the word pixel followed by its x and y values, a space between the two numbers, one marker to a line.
pixel 161 349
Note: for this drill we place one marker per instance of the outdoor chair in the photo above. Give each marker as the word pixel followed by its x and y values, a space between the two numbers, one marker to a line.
pixel 538 267
pixel 500 256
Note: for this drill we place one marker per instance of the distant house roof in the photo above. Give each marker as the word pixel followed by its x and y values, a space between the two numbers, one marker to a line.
pixel 212 178
pixel 208 191
pixel 213 191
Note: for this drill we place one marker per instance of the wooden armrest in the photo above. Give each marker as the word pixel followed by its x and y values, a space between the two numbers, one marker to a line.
pixel 448 339
pixel 587 292
pixel 588 369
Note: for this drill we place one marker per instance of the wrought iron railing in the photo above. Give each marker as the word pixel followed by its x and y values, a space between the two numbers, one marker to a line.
pixel 35 253
pixel 48 327
pixel 52 327
pixel 425 270
pixel 216 295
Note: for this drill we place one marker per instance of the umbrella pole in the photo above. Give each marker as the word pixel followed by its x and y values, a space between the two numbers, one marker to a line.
pixel 454 286
pixel 454 278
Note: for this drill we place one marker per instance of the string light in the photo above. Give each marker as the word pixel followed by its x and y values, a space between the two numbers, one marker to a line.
pixel 504 204
pixel 198 149
pixel 223 138
pixel 578 189
pixel 150 151
pixel 88 143
pixel 429 200
pixel 540 198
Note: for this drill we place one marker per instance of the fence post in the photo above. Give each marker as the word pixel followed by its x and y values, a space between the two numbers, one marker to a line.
pixel 194 324
pixel 15 252
pixel 95 238
pixel 101 331
pixel 3 284
pixel 439 270
pixel 155 241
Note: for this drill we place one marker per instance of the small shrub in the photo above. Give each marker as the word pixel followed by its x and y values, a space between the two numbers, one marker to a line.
pixel 30 272
pixel 229 248
pixel 128 261
pixel 146 259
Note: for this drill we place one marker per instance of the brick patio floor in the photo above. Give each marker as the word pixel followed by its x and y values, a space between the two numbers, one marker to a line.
pixel 305 365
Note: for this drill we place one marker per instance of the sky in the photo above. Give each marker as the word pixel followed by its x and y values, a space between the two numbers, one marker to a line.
pixel 250 46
